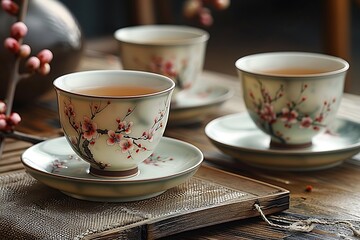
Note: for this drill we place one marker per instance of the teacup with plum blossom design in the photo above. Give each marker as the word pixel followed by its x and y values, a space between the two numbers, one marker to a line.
pixel 292 96
pixel 174 51
pixel 113 132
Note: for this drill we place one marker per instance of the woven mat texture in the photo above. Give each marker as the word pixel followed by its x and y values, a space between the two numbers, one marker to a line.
pixel 31 210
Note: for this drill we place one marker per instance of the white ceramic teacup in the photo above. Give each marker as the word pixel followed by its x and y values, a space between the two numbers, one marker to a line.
pixel 113 119
pixel 292 96
pixel 174 51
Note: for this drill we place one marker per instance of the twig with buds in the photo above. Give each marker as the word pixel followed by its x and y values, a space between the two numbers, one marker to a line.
pixel 200 10
pixel 34 64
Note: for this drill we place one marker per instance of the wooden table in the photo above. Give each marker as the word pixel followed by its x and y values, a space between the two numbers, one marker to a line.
pixel 335 193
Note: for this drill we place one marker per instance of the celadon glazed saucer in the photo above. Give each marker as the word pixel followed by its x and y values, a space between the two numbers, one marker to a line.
pixel 236 135
pixel 191 106
pixel 55 164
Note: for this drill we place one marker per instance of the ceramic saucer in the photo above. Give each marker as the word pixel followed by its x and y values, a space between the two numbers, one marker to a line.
pixel 237 136
pixel 191 106
pixel 54 163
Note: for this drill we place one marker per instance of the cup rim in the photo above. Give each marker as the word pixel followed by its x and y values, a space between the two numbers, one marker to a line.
pixel 240 64
pixel 57 83
pixel 199 35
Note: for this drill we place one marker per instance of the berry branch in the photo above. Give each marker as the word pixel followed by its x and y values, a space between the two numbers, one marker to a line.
pixel 34 64
pixel 200 10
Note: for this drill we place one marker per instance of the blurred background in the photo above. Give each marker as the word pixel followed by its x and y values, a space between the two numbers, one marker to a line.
pixel 245 27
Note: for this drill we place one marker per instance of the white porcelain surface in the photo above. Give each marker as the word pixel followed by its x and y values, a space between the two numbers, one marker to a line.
pixel 171 50
pixel 193 105
pixel 292 108
pixel 113 133
pixel 237 136
pixel 55 164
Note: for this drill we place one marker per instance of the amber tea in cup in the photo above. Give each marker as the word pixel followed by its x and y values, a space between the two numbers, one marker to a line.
pixel 117 91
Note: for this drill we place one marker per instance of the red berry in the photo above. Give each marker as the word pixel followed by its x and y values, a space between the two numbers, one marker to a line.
pixel 205 17
pixel 10 7
pixel 308 188
pixel 14 118
pixel 12 45
pixel 2 123
pixel 2 107
pixel 191 8
pixel 24 51
pixel 44 69
pixel 45 56
pixel 221 4
pixel 18 30
pixel 33 63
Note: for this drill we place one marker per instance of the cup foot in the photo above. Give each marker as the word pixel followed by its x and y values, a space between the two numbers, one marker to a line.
pixel 277 145
pixel 114 174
